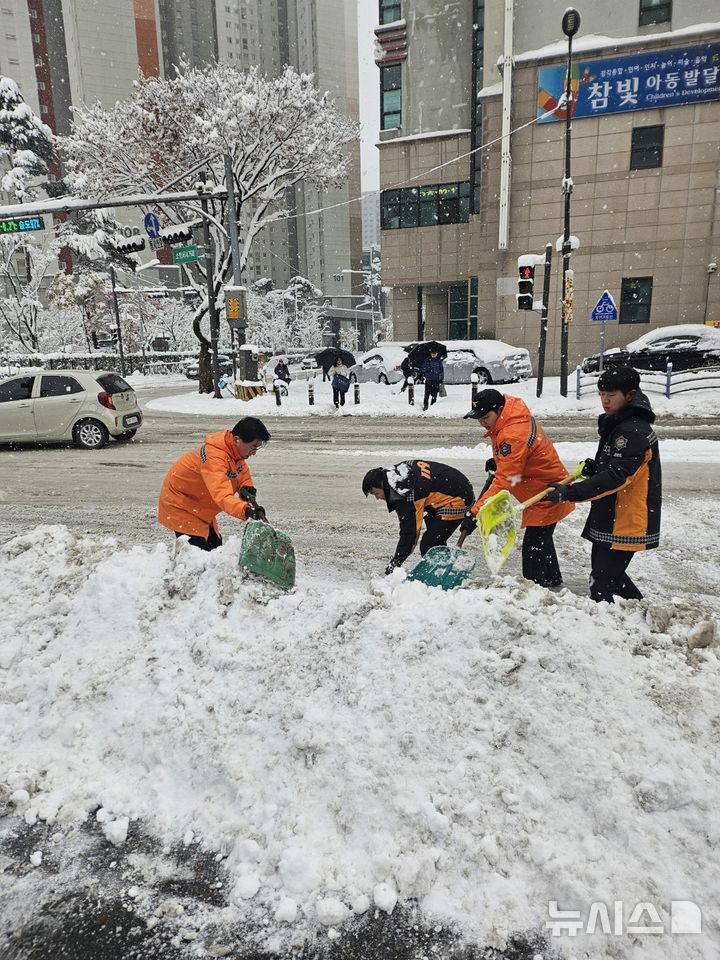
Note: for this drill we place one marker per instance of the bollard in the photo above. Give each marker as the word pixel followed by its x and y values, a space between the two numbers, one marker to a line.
pixel 356 392
pixel 473 387
pixel 411 391
pixel 578 383
pixel 276 390
pixel 668 380
pixel 311 393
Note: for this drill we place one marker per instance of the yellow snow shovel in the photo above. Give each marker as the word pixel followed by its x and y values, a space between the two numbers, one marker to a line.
pixel 497 520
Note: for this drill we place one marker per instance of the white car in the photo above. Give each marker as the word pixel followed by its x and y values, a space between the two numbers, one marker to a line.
pixel 379 365
pixel 85 406
pixel 492 360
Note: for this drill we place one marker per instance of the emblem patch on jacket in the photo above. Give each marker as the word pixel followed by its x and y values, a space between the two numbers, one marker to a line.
pixel 620 443
pixel 504 449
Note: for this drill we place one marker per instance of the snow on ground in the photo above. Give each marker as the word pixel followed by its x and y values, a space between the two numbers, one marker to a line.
pixel 353 744
pixel 380 400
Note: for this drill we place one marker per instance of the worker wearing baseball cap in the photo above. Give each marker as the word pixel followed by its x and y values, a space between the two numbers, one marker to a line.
pixel 526 463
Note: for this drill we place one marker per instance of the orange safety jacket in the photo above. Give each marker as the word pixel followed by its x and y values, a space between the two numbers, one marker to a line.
pixel 527 462
pixel 202 484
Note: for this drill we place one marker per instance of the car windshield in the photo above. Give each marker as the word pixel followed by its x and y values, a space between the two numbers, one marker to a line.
pixel 113 383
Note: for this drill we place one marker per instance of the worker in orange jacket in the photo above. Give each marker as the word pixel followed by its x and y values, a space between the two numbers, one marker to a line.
pixel 526 463
pixel 213 479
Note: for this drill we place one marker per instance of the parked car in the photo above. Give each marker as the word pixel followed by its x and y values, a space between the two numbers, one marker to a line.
pixel 492 360
pixel 85 406
pixel 379 365
pixel 686 345
pixel 192 369
pixel 308 363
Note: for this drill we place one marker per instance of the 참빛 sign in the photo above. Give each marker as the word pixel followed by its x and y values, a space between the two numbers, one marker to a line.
pixel 640 81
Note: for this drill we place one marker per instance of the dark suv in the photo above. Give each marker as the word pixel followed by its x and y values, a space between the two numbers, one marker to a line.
pixel 192 371
pixel 687 346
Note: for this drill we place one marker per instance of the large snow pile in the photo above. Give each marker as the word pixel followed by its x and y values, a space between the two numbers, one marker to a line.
pixel 484 751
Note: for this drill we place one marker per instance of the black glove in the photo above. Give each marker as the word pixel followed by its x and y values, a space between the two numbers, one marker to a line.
pixel 588 467
pixel 469 523
pixel 248 493
pixel 559 494
pixel 256 512
pixel 490 466
pixel 390 567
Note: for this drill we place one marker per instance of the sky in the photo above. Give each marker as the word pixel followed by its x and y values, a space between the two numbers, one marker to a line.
pixel 369 97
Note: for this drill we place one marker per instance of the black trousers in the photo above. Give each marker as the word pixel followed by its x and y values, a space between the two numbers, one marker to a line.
pixel 210 542
pixel 539 558
pixel 608 577
pixel 437 532
pixel 338 397
pixel 431 392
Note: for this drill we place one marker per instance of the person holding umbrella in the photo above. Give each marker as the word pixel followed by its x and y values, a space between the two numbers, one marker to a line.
pixel 340 381
pixel 433 372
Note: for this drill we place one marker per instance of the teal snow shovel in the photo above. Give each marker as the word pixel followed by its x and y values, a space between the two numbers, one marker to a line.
pixel 444 567
pixel 268 553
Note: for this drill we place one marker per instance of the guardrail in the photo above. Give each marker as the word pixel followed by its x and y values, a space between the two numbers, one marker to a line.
pixel 666 383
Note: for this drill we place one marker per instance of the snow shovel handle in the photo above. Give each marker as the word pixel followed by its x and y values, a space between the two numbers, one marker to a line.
pixel 538 496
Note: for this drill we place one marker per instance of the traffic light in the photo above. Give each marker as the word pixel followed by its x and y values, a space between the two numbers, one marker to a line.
pixel 526 283
pixel 127 245
pixel 180 233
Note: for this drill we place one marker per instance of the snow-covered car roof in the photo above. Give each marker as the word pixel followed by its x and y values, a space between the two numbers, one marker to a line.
pixel 678 330
pixel 394 353
pixel 488 349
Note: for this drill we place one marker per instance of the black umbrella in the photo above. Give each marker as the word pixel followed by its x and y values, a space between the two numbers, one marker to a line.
pixel 326 358
pixel 419 352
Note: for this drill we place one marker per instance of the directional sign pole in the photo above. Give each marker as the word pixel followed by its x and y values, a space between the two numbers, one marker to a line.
pixel 602 345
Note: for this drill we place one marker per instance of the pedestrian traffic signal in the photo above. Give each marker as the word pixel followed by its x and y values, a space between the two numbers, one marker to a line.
pixel 180 233
pixel 526 283
pixel 127 245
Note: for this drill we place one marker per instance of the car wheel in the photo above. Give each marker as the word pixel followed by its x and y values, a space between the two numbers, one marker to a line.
pixel 128 435
pixel 90 434
pixel 383 379
pixel 483 376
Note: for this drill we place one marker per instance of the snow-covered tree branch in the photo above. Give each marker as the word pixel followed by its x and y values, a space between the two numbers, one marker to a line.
pixel 26 143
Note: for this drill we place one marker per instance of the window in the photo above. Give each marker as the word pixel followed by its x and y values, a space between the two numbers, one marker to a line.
pixel 16 389
pixel 113 383
pixel 33 14
pixel 635 299
pixel 59 386
pixel 44 108
pixel 458 311
pixel 389 11
pixel 390 97
pixel 647 147
pixel 655 11
pixel 425 206
pixel 36 38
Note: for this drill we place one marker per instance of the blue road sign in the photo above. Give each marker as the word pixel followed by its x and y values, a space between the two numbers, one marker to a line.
pixel 152 225
pixel 605 309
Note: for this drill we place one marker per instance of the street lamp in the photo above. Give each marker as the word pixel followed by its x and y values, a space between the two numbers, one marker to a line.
pixel 570 26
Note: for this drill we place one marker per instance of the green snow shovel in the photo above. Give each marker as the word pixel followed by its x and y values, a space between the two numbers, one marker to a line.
pixel 497 519
pixel 445 567
pixel 269 553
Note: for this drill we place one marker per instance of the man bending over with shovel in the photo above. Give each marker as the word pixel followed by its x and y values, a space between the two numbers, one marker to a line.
pixel 625 486
pixel 526 464
pixel 417 489
pixel 213 479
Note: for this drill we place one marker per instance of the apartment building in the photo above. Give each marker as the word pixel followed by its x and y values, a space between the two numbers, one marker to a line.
pixel 472 161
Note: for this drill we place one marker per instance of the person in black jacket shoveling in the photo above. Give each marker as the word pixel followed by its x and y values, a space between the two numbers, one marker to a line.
pixel 417 489
pixel 625 486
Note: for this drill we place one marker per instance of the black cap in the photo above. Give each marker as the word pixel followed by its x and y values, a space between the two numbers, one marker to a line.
pixel 620 378
pixel 484 402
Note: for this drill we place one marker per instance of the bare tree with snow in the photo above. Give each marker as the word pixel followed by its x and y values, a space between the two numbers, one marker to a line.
pixel 279 132
pixel 25 269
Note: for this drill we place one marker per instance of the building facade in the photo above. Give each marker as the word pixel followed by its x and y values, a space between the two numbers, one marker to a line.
pixel 472 162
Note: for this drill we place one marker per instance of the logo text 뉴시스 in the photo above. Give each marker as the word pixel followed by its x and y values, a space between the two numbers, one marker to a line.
pixel 685 917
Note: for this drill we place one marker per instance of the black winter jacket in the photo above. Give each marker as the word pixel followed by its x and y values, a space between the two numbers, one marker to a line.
pixel 626 487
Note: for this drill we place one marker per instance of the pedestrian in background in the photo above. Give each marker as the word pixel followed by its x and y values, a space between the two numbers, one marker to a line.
pixel 282 371
pixel 340 381
pixel 526 462
pixel 433 371
pixel 625 486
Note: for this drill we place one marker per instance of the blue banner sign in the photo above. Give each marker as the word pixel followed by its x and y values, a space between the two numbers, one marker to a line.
pixel 21 224
pixel 640 81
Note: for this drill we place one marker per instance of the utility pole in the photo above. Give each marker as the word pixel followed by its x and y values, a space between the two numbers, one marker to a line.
pixel 570 26
pixel 116 309
pixel 544 319
pixel 239 328
pixel 212 309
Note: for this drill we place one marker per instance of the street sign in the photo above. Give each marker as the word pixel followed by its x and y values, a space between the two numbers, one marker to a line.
pixel 187 254
pixel 605 309
pixel 152 225
pixel 156 243
pixel 21 224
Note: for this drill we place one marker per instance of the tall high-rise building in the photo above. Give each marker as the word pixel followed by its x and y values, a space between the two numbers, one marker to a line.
pixel 472 163
pixel 318 37
pixel 188 29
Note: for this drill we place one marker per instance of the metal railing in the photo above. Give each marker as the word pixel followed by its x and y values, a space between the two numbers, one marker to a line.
pixel 665 383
